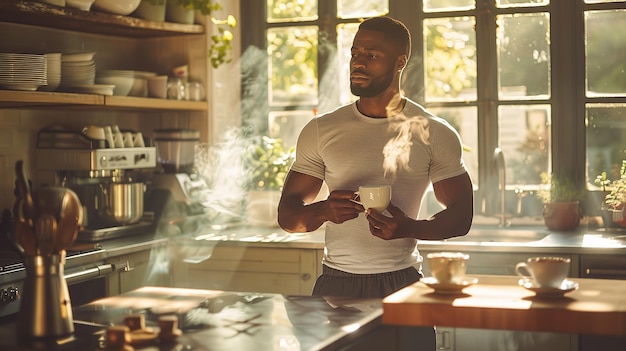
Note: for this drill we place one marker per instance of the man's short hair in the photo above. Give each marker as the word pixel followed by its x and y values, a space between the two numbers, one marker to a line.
pixel 392 29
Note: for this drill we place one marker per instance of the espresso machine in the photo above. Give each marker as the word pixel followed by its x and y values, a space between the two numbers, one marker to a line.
pixel 107 176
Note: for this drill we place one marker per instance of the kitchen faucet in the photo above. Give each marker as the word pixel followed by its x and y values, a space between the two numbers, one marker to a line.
pixel 498 160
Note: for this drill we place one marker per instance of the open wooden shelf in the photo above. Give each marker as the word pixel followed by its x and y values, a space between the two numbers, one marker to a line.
pixel 34 99
pixel 45 15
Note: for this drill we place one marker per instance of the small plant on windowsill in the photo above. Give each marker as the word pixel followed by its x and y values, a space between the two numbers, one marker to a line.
pixel 561 200
pixel 615 201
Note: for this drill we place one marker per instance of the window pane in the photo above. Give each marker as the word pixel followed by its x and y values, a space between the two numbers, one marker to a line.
pixel 448 5
pixel 362 8
pixel 291 11
pixel 521 3
pixel 524 134
pixel 465 121
pixel 524 55
pixel 450 61
pixel 293 65
pixel 606 139
pixel 287 125
pixel 604 41
pixel 345 36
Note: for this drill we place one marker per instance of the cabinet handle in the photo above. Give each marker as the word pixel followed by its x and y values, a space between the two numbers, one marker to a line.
pixel 306 276
pixel 89 273
pixel 443 340
pixel 124 266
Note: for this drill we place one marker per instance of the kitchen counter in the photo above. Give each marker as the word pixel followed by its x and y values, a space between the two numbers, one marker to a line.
pixel 598 306
pixel 218 320
pixel 531 239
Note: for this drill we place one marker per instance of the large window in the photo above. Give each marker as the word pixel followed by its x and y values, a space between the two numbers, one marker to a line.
pixel 543 80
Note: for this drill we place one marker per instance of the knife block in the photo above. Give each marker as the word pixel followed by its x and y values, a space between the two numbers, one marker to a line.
pixel 45 307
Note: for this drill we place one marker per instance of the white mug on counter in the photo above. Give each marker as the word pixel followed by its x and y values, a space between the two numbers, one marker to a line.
pixel 448 267
pixel 544 272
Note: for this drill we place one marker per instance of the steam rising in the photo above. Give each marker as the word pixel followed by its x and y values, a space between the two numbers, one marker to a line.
pixel 397 151
pixel 222 166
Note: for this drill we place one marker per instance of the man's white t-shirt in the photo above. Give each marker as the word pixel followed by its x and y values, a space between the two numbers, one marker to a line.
pixel 408 151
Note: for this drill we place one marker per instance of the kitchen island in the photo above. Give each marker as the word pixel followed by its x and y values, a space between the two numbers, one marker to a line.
pixel 594 306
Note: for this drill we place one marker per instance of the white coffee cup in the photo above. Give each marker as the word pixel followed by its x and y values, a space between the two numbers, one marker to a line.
pixel 138 140
pixel 94 132
pixel 545 272
pixel 127 138
pixel 108 135
pixel 375 197
pixel 448 267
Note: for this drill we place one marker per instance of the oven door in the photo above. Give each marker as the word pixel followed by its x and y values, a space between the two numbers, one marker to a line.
pixel 90 283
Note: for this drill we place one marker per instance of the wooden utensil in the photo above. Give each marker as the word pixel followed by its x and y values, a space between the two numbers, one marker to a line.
pixel 27 207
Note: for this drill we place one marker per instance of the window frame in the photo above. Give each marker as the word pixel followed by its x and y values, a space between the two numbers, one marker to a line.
pixel 567 89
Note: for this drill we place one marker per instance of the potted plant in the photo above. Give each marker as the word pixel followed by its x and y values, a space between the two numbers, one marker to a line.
pixel 561 199
pixel 614 204
pixel 267 162
pixel 182 11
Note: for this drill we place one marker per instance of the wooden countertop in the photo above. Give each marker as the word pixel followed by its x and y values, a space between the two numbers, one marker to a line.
pixel 598 306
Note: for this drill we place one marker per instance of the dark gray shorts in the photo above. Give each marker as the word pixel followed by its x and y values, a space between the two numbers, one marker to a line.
pixel 337 283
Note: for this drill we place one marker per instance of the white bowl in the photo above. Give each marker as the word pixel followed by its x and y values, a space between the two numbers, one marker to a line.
pixel 118 7
pixel 140 87
pixel 98 89
pixel 84 5
pixel 122 84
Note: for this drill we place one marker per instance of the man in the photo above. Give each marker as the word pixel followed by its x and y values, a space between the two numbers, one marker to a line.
pixel 381 139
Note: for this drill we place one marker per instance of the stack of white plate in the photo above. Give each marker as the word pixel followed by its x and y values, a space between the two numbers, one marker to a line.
pixel 53 72
pixel 77 69
pixel 22 71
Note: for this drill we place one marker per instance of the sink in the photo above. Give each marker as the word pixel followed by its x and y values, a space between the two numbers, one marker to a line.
pixel 605 238
pixel 510 235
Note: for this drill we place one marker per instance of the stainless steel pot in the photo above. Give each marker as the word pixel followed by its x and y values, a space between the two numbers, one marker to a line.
pixel 121 203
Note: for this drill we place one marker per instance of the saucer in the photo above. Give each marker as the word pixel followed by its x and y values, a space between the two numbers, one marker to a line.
pixel 448 288
pixel 565 287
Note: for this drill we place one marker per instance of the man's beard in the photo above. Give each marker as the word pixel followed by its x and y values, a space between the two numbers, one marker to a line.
pixel 376 86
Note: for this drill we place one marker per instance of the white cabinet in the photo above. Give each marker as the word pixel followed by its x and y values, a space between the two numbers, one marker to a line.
pixel 283 270
pixel 465 339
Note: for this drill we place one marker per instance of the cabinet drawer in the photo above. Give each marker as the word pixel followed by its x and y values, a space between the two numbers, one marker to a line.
pixel 257 269
pixel 232 253
pixel 246 281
